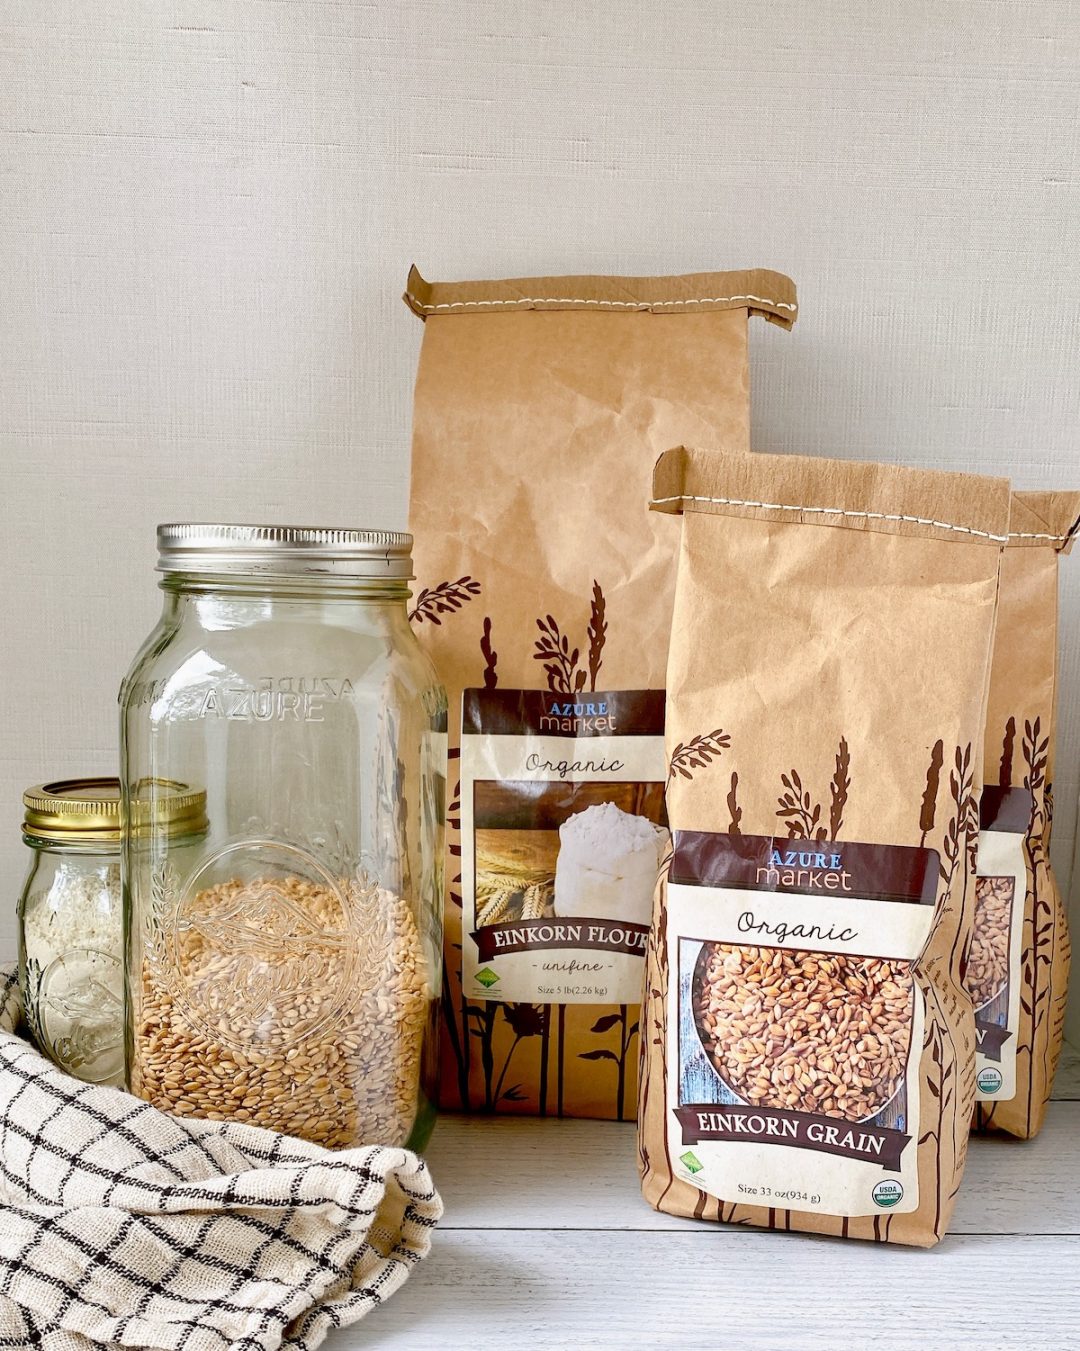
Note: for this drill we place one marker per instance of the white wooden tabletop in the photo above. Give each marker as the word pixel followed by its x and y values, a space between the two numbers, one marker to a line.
pixel 547 1243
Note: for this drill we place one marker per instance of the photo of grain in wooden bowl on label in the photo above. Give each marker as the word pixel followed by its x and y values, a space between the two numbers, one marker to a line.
pixel 816 1032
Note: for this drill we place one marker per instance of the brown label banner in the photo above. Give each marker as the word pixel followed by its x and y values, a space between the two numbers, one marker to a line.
pixel 990 1038
pixel 1005 809
pixel 505 712
pixel 877 872
pixel 711 1122
pixel 531 935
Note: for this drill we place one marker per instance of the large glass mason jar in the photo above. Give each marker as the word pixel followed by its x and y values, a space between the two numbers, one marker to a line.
pixel 286 972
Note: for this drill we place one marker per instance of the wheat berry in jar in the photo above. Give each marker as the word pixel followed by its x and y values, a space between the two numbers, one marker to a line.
pixel 286 972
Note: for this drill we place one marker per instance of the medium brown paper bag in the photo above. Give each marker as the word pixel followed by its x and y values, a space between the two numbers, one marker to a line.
pixel 1018 967
pixel 808 1048
pixel 544 596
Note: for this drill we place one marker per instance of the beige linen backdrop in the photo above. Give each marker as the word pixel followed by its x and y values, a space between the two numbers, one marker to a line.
pixel 207 210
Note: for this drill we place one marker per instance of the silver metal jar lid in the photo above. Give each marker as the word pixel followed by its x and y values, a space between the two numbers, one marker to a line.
pixel 284 551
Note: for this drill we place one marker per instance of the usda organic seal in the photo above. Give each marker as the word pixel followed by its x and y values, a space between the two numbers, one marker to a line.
pixel 887 1194
pixel 989 1079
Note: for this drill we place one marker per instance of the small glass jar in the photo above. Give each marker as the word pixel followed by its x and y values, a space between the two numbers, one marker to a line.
pixel 71 919
pixel 286 973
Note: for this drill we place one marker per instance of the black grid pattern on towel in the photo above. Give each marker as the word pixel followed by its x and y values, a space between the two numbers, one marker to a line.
pixel 122 1226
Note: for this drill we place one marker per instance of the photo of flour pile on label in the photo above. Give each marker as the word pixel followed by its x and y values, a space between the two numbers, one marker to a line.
pixel 608 861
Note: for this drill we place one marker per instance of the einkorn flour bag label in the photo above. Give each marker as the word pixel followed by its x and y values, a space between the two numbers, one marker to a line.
pixel 1018 964
pixel 808 1047
pixel 544 591
pixel 565 812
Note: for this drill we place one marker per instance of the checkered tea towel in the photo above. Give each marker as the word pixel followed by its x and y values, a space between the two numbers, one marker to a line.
pixel 121 1226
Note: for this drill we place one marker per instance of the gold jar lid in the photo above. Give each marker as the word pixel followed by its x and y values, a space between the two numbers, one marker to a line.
pixel 87 811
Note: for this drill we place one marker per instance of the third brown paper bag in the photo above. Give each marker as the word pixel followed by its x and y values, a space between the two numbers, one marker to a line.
pixel 1018 966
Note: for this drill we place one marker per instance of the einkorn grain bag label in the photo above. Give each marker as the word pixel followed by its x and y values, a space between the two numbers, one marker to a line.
pixel 995 961
pixel 813 1102
pixel 563 827
pixel 808 1045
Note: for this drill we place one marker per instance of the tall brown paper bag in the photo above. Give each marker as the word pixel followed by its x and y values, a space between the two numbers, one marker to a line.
pixel 544 592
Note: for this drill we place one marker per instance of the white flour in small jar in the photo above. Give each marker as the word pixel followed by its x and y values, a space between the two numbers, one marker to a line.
pixel 71 969
pixel 608 863
pixel 81 909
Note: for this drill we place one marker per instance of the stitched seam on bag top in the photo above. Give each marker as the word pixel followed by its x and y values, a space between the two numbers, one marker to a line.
pixel 834 511
pixel 1025 534
pixel 613 304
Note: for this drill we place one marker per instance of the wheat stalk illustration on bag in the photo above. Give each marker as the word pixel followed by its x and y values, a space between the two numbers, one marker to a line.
pixel 457 1030
pixel 734 810
pixel 491 657
pixel 698 752
pixel 928 810
pixel 1005 767
pixel 839 789
pixel 626 1032
pixel 955 848
pixel 444 599
pixel 802 815
pixel 560 661
pixel 1038 960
